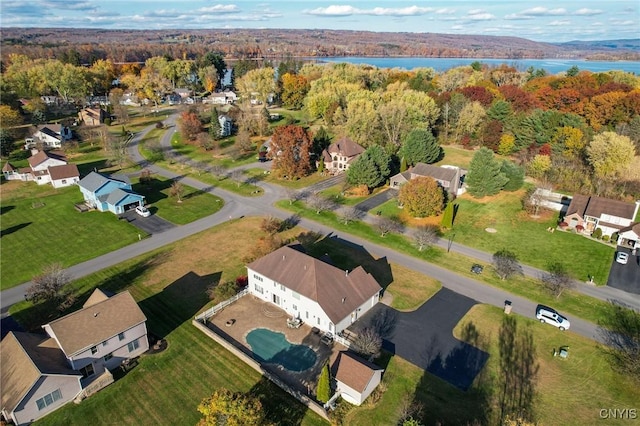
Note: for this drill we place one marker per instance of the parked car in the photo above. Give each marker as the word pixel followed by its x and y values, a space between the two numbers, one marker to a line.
pixel 551 316
pixel 143 211
pixel 622 257
pixel 327 339
pixel 477 269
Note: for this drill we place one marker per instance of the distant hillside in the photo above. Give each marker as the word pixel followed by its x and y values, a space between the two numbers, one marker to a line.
pixel 134 46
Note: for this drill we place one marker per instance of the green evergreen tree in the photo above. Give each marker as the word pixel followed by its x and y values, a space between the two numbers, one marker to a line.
pixel 371 168
pixel 447 217
pixel 485 176
pixel 514 173
pixel 321 165
pixel 214 126
pixel 421 146
pixel 323 393
pixel 403 165
pixel 321 141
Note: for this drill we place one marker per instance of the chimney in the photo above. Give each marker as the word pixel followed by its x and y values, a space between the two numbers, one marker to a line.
pixel 283 256
pixel 343 299
pixel 346 272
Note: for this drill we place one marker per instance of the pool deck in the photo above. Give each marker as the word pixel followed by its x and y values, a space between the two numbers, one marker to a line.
pixel 249 313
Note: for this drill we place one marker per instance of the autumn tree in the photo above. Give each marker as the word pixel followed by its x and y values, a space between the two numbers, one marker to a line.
pixel 610 155
pixel 291 146
pixel 371 168
pixel 190 125
pixel 258 82
pixel 294 90
pixel 225 407
pixel 485 176
pixel 9 118
pixel 425 236
pixel 470 118
pixel 557 279
pixel 505 264
pixel 323 392
pixel 420 146
pixel 51 286
pixel 422 197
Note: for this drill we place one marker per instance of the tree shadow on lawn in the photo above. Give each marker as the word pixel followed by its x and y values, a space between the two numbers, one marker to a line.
pixel 279 407
pixel 6 209
pixel 152 189
pixel 15 228
pixel 92 166
pixel 178 302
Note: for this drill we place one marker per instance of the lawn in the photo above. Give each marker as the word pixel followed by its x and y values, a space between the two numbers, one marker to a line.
pixel 40 226
pixel 195 204
pixel 169 284
pixel 570 302
pixel 568 391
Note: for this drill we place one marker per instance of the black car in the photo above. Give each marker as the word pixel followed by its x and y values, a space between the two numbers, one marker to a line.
pixel 477 269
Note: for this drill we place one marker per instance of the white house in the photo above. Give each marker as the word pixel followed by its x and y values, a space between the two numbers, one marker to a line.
pixel 586 213
pixel 45 167
pixel 49 136
pixel 41 373
pixel 226 125
pixel 629 236
pixel 320 294
pixel 355 377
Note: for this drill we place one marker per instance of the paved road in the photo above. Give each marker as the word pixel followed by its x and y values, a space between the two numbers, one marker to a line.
pixel 237 206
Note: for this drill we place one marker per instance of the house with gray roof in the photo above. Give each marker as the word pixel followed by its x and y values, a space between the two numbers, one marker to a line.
pixel 450 178
pixel 316 292
pixel 48 136
pixel 40 373
pixel 109 193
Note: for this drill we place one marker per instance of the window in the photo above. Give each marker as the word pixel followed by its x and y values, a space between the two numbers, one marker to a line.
pixel 120 336
pixel 282 287
pixel 87 371
pixel 295 295
pixel 108 356
pixel 257 277
pixel 94 350
pixel 295 308
pixel 258 289
pixel 64 181
pixel 49 399
pixel 132 346
pixel 105 343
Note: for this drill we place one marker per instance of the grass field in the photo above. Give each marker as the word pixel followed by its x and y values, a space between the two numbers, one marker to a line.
pixel 570 302
pixel 568 391
pixel 170 287
pixel 40 226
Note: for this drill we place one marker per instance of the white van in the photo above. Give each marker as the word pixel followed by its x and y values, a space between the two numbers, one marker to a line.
pixel 550 316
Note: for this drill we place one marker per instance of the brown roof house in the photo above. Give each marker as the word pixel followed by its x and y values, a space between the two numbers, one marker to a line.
pixel 450 178
pixel 93 116
pixel 307 288
pixel 45 167
pixel 41 373
pixel 587 214
pixel 340 154
pixel 355 377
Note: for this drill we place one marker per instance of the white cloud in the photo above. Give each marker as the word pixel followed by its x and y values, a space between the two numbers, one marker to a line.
pixel 535 12
pixel 334 10
pixel 588 12
pixel 220 8
pixel 560 23
pixel 481 17
pixel 346 10
pixel 405 11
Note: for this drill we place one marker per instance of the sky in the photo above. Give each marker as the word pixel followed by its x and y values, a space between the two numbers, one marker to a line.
pixel 546 21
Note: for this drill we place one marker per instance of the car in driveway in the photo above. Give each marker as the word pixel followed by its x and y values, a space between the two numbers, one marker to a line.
pixel 143 211
pixel 549 315
pixel 622 257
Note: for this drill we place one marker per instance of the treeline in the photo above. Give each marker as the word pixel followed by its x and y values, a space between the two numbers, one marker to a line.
pixel 138 46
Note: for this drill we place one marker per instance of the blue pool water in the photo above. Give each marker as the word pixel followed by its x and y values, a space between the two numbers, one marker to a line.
pixel 274 348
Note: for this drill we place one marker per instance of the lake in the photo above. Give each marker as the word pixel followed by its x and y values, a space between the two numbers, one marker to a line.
pixel 551 66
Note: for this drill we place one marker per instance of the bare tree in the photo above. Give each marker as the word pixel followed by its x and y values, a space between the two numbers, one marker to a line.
pixel 385 225
pixel 425 236
pixel 367 343
pixel 294 195
pixel 505 264
pixel 319 203
pixel 218 171
pixel 238 176
pixel 177 190
pixel 350 214
pixel 620 331
pixel 271 225
pixel 51 286
pixel 557 280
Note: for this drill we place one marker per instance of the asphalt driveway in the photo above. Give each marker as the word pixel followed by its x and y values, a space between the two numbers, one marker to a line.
pixel 151 225
pixel 424 337
pixel 376 200
pixel 625 277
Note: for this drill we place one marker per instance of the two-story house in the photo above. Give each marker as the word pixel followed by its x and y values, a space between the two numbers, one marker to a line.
pixel 450 178
pixel 307 288
pixel 340 154
pixel 226 125
pixel 45 167
pixel 109 193
pixel 48 136
pixel 40 373
pixel 586 214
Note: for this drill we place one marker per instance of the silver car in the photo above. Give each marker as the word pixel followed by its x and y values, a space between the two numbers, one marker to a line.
pixel 550 316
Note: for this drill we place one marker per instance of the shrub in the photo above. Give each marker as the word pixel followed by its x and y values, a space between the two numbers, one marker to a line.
pixel 107 122
pixel 159 125
pixel 605 238
pixel 579 228
pixel 597 234
pixel 614 236
pixel 563 225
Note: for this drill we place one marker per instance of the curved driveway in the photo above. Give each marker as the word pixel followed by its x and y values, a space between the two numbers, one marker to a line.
pixel 237 206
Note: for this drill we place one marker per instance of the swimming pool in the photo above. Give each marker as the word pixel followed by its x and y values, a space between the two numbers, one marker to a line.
pixel 274 348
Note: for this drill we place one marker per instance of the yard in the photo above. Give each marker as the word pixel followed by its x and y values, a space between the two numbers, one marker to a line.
pixel 170 286
pixel 568 391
